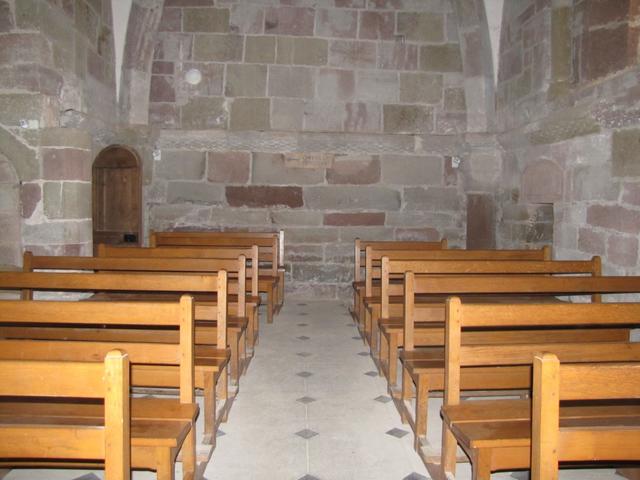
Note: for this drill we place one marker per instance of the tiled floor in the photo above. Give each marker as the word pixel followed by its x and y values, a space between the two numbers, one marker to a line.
pixel 312 407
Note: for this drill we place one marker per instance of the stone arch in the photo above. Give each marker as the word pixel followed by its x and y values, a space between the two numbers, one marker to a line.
pixel 477 64
pixel 10 218
pixel 144 20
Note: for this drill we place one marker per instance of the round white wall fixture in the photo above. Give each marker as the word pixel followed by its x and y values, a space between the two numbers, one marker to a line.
pixel 193 76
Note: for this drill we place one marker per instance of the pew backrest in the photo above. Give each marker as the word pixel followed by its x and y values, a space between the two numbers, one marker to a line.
pixel 554 382
pixel 107 380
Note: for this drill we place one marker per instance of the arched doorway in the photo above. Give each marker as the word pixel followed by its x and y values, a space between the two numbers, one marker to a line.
pixel 117 196
pixel 10 219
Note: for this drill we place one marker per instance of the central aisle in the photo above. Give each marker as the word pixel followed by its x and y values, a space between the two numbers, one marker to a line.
pixel 312 406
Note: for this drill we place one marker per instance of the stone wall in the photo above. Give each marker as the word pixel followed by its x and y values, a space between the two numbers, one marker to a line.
pixel 57 98
pixel 569 106
pixel 330 119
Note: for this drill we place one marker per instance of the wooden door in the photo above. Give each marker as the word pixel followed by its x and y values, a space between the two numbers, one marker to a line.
pixel 117 196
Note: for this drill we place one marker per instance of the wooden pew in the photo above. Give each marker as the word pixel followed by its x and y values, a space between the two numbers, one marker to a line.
pixel 211 363
pixel 359 263
pixel 373 260
pixel 492 432
pixel 160 427
pixel 423 370
pixel 271 251
pixel 235 268
pixel 553 441
pixel 394 328
pixel 108 440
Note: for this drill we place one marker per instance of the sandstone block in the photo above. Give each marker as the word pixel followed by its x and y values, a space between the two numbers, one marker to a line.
pixel 349 234
pixel 22 157
pixel 162 89
pixel 211 84
pixel 16 107
pixel 270 169
pixel 202 113
pixel 6 18
pixel 246 80
pixel 363 117
pixel 289 20
pixel 420 88
pixel 264 196
pixel 65 137
pixel 426 234
pixel 295 218
pixel 250 114
pixel 164 115
pixel 68 200
pixel 225 217
pixel 211 20
pixel 354 219
pixel 322 116
pixel 631 194
pixel 171 20
pixel 310 51
pixel 30 196
pixel 407 119
pixel 180 165
pixel 352 54
pixel 66 164
pixel 624 152
pixel 622 250
pixel 451 123
pixel 311 235
pixel 354 170
pixel 377 86
pixel 412 170
pixel 351 198
pixel 247 18
pixel 614 217
pixel 291 82
pixel 217 48
pixel 260 49
pixel 324 273
pixel 441 58
pixel 421 27
pixel 398 56
pixel 303 254
pixel 228 167
pixel 178 47
pixel 315 291
pixel 591 241
pixel 195 192
pixel 597 46
pixel 336 84
pixel 287 113
pixel 454 99
pixel 336 23
pixel 431 198
pixel 542 182
pixel 377 25
pixel 593 183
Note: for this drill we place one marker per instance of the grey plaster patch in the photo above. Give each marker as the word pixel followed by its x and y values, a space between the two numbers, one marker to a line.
pixel 307 434
pixel 397 432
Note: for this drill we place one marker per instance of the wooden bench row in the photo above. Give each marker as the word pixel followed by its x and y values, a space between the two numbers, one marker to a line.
pixel 411 313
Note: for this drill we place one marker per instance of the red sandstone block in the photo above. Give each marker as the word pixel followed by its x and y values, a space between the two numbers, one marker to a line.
pixel 30 195
pixel 162 89
pixel 66 164
pixel 601 12
pixel 261 196
pixel 163 68
pixel 614 217
pixel 623 250
pixel 171 20
pixel 597 46
pixel 591 241
pixel 337 23
pixel 289 20
pixel 354 219
pixel 228 167
pixel 354 170
pixel 631 193
pixel 350 3
pixel 377 25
